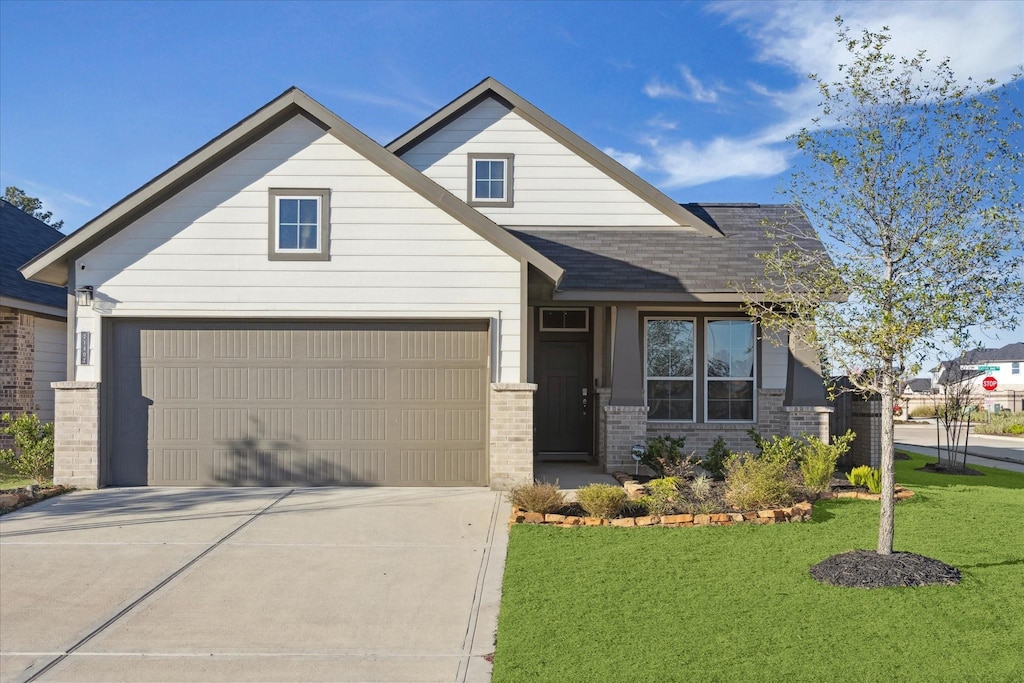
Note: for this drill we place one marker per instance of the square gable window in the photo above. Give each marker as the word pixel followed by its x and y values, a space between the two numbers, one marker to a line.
pixel 300 226
pixel 490 180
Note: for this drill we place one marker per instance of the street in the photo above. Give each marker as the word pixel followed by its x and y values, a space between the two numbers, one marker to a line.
pixel 1004 452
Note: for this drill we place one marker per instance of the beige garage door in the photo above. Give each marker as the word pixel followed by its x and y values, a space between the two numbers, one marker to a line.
pixel 266 404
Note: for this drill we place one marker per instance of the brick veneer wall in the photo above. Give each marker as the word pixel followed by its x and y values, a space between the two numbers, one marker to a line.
pixel 601 398
pixel 511 434
pixel 772 418
pixel 624 427
pixel 866 422
pixel 76 460
pixel 17 351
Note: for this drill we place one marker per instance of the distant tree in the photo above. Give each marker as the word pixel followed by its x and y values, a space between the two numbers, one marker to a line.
pixel 30 205
pixel 910 178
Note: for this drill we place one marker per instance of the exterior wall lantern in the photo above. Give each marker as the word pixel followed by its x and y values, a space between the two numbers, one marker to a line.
pixel 83 295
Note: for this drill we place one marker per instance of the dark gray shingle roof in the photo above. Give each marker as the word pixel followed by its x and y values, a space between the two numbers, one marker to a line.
pixel 950 369
pixel 22 238
pixel 669 261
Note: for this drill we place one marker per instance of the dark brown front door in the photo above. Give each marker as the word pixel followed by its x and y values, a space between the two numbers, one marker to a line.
pixel 563 403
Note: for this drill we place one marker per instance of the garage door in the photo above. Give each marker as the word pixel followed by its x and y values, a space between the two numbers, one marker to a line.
pixel 266 404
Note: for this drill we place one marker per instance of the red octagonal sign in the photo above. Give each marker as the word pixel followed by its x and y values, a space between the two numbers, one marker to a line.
pixel 989 383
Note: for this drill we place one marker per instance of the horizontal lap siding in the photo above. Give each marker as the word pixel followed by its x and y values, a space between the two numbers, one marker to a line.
pixel 553 186
pixel 393 253
pixel 49 363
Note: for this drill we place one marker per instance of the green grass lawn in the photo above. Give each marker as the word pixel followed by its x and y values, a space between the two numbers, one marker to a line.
pixel 738 604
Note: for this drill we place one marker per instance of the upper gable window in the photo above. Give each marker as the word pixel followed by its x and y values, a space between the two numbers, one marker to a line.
pixel 300 227
pixel 490 180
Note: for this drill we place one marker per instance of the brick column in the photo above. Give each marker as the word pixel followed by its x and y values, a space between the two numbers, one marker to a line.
pixel 811 420
pixel 17 330
pixel 76 434
pixel 511 434
pixel 625 426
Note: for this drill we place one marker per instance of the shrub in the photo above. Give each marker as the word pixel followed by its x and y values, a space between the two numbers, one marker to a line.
pixel 923 411
pixel 714 461
pixel 1015 429
pixel 756 482
pixel 602 500
pixel 662 496
pixel 865 475
pixel 779 449
pixel 700 487
pixel 537 497
pixel 32 455
pixel 1003 423
pixel 818 459
pixel 664 455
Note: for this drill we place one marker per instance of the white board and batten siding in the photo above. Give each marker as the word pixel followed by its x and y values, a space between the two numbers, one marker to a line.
pixel 553 186
pixel 49 363
pixel 393 254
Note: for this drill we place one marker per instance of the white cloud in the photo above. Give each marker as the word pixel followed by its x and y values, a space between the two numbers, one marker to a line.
pixel 655 89
pixel 982 40
pixel 659 122
pixel 630 160
pixel 698 91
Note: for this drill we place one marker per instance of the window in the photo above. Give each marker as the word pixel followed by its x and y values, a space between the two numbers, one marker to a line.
pixel 730 357
pixel 490 180
pixel 299 225
pixel 564 320
pixel 669 364
pixel 1015 368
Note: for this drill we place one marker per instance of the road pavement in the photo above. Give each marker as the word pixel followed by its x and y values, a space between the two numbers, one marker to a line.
pixel 1003 452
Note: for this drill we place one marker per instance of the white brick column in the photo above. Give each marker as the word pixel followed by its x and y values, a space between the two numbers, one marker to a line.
pixel 76 445
pixel 511 434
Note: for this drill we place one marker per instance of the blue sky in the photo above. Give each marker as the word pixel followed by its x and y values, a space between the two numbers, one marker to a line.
pixel 698 98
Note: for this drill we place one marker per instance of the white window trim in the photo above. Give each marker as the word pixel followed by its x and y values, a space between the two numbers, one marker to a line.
pixel 323 225
pixel 507 161
pixel 585 328
pixel 752 379
pixel 692 378
pixel 1015 368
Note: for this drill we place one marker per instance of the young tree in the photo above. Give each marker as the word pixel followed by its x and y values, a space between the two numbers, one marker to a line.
pixel 910 178
pixel 30 205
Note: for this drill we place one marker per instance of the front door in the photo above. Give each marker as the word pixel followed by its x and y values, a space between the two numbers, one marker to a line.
pixel 563 403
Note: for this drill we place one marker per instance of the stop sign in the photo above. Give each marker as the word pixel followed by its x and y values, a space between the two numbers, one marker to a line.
pixel 989 383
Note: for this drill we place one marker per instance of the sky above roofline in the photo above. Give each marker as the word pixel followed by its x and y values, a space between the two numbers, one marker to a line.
pixel 697 98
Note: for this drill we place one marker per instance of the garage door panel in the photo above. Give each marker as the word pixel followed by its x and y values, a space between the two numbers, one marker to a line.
pixel 264 404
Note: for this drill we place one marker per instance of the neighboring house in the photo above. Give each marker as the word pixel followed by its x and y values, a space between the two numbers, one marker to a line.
pixel 919 386
pixel 1005 365
pixel 33 319
pixel 296 304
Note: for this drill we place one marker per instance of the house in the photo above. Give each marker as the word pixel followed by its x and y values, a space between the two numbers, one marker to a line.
pixel 33 319
pixel 917 387
pixel 296 304
pixel 1005 365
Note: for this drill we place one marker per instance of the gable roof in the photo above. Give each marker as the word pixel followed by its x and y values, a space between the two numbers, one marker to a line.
pixel 52 265
pixel 652 264
pixel 22 237
pixel 951 369
pixel 490 88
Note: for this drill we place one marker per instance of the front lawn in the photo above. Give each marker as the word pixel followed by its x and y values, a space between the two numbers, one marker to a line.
pixel 738 604
pixel 9 479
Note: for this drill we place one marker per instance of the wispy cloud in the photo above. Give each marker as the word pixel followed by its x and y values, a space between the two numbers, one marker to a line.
pixel 982 41
pixel 634 162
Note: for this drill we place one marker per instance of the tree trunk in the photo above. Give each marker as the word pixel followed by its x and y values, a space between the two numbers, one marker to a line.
pixel 886 522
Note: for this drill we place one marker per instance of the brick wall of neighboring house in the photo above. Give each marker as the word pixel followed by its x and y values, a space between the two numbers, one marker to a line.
pixel 17 347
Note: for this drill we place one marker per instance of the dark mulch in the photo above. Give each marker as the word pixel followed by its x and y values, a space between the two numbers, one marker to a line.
pixel 950 469
pixel 868 569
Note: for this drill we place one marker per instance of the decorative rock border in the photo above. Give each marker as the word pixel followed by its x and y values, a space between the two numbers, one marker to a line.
pixel 19 498
pixel 902 493
pixel 795 513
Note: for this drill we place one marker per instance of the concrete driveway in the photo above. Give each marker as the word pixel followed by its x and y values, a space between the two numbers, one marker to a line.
pixel 354 584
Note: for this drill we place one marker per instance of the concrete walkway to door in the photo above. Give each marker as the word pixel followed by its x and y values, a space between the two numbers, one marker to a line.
pixel 342 584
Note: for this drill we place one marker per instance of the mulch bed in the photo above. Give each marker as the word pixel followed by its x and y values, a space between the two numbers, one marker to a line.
pixel 868 569
pixel 950 469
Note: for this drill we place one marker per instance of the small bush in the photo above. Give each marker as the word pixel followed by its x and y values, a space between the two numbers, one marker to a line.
pixel 779 449
pixel 602 500
pixel 923 411
pixel 700 487
pixel 757 482
pixel 1003 423
pixel 865 475
pixel 662 496
pixel 1014 429
pixel 32 455
pixel 537 497
pixel 664 455
pixel 818 459
pixel 714 461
